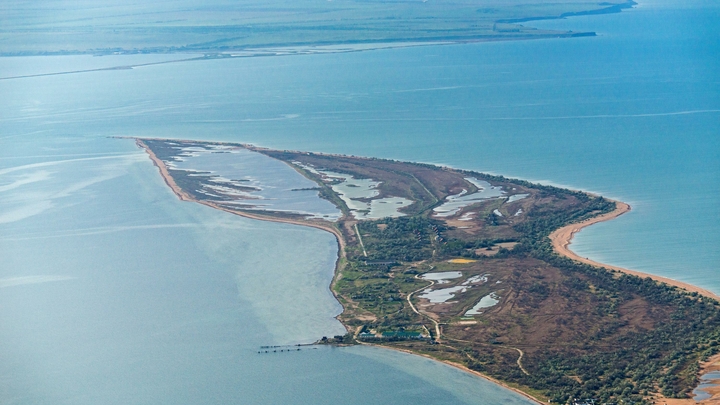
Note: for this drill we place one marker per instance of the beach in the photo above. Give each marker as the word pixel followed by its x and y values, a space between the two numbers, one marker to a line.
pixel 562 238
pixel 713 364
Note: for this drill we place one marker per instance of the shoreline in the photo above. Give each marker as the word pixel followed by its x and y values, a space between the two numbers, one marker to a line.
pixel 294 48
pixel 169 181
pixel 709 366
pixel 183 196
pixel 461 368
pixel 562 238
pixel 712 365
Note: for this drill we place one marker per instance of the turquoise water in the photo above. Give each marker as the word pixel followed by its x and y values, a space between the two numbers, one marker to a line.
pixel 112 291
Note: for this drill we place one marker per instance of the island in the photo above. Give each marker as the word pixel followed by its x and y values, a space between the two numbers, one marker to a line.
pixel 470 269
pixel 280 27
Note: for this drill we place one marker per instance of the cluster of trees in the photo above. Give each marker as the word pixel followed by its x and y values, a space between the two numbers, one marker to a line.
pixel 466 248
pixel 403 239
pixel 617 361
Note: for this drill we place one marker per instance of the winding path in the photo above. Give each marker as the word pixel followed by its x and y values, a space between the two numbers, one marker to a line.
pixel 437 325
pixel 519 360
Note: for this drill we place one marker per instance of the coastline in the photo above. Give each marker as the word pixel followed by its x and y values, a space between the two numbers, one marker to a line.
pixel 183 196
pixel 712 365
pixel 562 238
pixel 462 368
pixel 341 254
pixel 289 50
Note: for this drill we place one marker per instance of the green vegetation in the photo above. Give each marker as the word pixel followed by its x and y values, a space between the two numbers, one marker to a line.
pixel 560 329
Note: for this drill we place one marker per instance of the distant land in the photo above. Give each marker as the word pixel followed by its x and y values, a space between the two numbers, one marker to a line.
pixel 470 269
pixel 274 26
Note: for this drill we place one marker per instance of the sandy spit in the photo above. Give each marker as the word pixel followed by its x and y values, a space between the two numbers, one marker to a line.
pixel 182 195
pixel 164 172
pixel 326 227
pixel 560 239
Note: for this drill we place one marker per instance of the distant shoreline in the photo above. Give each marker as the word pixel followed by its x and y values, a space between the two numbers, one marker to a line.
pixel 610 9
pixel 562 238
pixel 280 50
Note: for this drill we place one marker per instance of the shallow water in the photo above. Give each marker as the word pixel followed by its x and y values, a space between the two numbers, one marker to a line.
pixel 705 382
pixel 277 186
pixel 111 285
pixel 443 294
pixel 516 197
pixel 442 276
pixel 487 301
pixel 114 291
pixel 454 203
pixel 351 190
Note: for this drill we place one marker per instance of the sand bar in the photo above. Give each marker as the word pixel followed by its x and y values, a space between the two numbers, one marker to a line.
pixel 164 172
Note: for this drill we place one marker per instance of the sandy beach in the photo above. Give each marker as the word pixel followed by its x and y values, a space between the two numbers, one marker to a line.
pixel 562 238
pixel 164 172
pixel 463 368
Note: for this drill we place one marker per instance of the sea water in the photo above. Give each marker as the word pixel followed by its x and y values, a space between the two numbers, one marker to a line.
pixel 113 291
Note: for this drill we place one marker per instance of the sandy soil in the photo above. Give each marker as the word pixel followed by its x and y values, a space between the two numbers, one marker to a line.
pixel 562 238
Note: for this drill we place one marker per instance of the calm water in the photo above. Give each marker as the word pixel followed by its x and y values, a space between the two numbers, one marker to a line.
pixel 112 291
